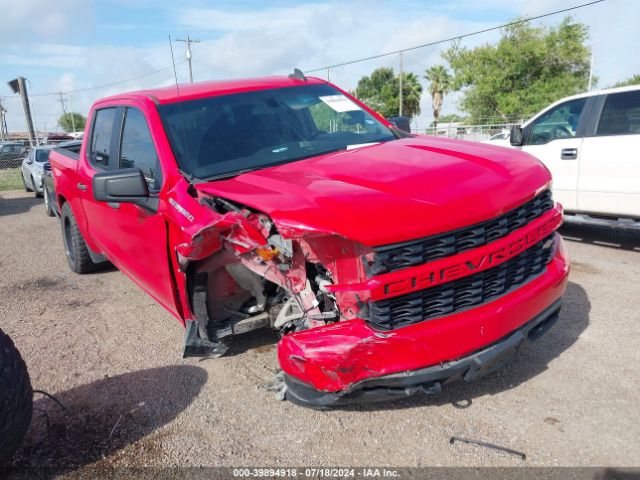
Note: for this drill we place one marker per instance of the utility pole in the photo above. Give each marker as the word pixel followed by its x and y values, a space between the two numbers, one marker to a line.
pixel 188 41
pixel 64 108
pixel 3 124
pixel 18 86
pixel 64 111
pixel 400 95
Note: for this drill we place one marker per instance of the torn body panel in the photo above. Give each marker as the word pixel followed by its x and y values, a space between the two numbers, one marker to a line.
pixel 243 274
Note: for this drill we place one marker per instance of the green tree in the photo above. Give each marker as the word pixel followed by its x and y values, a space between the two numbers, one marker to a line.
pixel 452 117
pixel 381 90
pixel 439 85
pixel 69 120
pixel 635 80
pixel 526 70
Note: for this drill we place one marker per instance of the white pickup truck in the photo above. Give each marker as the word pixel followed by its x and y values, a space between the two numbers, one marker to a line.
pixel 591 144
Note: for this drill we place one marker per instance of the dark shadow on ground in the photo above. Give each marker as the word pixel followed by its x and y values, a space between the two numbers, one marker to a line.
pixel 602 236
pixel 256 339
pixel 15 206
pixel 574 319
pixel 103 417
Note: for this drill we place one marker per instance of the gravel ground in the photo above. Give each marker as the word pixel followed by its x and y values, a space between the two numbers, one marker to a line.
pixel 112 356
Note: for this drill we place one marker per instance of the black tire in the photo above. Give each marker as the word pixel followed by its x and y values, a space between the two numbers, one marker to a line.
pixel 16 399
pixel 74 245
pixel 26 189
pixel 35 189
pixel 48 208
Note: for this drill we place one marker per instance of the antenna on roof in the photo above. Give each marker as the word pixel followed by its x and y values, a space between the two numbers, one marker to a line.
pixel 297 75
pixel 184 131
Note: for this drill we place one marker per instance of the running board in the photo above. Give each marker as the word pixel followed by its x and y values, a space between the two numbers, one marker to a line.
pixel 194 346
pixel 243 326
pixel 619 223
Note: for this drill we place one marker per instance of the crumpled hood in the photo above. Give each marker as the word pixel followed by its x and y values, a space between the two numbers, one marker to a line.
pixel 390 192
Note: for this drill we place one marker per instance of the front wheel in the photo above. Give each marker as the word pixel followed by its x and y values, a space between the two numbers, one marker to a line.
pixel 74 245
pixel 48 208
pixel 16 398
pixel 35 189
pixel 24 183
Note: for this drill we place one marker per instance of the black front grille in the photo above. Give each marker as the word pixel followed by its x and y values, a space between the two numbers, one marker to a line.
pixel 416 252
pixel 463 293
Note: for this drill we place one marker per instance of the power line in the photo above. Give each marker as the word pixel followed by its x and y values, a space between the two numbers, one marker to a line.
pixel 457 37
pixel 106 85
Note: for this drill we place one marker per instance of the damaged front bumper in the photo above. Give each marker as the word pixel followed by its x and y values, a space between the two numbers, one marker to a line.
pixel 351 362
pixel 428 380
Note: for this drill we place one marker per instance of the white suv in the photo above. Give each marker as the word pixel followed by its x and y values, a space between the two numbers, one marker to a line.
pixel 591 144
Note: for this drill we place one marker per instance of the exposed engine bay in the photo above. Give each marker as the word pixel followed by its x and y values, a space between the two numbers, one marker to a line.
pixel 256 277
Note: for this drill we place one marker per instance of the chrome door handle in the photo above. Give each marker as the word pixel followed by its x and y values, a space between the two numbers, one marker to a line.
pixel 568 153
pixel 81 186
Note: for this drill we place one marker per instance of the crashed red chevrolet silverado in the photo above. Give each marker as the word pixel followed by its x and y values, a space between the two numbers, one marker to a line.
pixel 390 263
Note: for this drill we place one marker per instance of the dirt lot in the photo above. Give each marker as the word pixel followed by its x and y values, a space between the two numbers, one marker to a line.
pixel 113 357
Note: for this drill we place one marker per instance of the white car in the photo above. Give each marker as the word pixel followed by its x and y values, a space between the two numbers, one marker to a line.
pixel 591 144
pixel 33 168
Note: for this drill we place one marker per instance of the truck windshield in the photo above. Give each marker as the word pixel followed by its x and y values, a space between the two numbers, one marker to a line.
pixel 222 136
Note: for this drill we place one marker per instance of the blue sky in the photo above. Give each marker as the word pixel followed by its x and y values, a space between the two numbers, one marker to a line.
pixel 80 44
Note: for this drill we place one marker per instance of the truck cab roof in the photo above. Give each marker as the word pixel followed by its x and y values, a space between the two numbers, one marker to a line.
pixel 192 91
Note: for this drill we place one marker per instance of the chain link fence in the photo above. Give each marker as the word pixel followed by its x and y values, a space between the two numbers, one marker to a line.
pixel 12 153
pixel 497 133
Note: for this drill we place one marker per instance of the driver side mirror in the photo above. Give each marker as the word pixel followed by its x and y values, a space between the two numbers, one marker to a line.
pixel 517 137
pixel 124 186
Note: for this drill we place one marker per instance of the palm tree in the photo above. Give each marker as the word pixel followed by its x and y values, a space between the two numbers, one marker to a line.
pixel 411 93
pixel 439 85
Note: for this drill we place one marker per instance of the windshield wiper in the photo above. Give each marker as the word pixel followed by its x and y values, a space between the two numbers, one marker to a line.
pixel 224 176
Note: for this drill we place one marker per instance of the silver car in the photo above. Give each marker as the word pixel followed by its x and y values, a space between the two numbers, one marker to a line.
pixel 33 168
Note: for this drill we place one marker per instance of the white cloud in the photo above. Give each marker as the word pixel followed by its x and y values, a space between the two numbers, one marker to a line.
pixel 43 19
pixel 239 41
pixel 272 19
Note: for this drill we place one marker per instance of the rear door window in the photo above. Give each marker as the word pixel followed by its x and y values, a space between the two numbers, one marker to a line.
pixel 620 114
pixel 101 135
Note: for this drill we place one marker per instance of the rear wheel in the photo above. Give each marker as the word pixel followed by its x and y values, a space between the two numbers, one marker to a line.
pixel 74 245
pixel 16 398
pixel 48 208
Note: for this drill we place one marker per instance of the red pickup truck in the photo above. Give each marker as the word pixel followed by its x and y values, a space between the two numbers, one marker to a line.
pixel 390 263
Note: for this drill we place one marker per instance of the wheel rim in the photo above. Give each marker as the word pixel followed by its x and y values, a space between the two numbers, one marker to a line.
pixel 46 200
pixel 66 233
